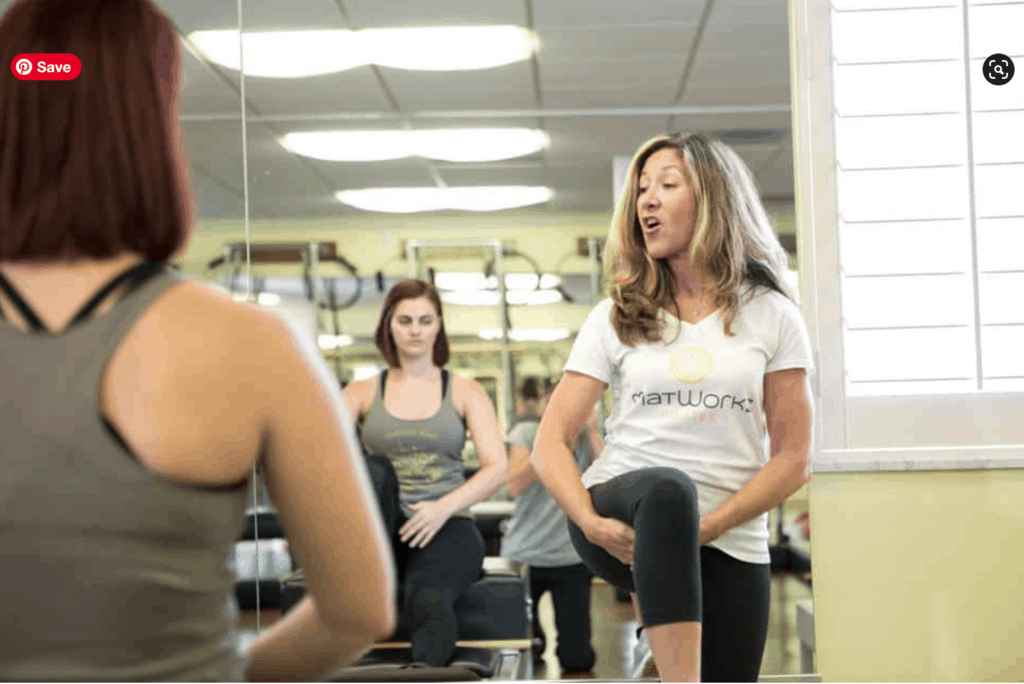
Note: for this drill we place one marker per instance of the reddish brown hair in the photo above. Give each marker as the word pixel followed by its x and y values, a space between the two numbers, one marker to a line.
pixel 93 167
pixel 409 289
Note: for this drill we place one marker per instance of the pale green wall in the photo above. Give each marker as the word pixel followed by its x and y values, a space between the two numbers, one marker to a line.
pixel 919 576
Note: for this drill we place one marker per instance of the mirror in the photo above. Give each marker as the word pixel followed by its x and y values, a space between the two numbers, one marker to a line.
pixel 334 125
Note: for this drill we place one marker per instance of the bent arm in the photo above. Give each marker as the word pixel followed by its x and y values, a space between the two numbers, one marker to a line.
pixel 520 472
pixel 552 457
pixel 486 434
pixel 789 413
pixel 317 477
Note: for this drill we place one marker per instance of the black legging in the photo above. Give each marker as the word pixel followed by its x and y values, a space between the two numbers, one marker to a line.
pixel 434 577
pixel 675 583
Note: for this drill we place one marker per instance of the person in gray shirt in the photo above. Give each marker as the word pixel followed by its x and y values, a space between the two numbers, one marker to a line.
pixel 537 534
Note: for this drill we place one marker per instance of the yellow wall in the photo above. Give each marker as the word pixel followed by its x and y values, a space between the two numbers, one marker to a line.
pixel 374 241
pixel 919 576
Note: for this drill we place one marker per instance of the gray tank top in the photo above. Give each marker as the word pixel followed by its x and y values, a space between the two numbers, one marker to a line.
pixel 110 573
pixel 426 454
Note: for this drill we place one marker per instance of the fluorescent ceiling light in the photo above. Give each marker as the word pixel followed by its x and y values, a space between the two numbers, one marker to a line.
pixel 450 48
pixel 478 145
pixel 364 372
pixel 477 281
pixel 460 281
pixel 526 334
pixel 408 200
pixel 534 297
pixel 472 298
pixel 454 145
pixel 285 54
pixel 335 341
pixel 493 297
pixel 294 54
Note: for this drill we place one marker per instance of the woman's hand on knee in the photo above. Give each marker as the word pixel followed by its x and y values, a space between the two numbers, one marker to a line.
pixel 428 518
pixel 613 536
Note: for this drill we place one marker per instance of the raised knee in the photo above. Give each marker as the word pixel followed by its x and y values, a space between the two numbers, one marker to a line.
pixel 427 601
pixel 674 493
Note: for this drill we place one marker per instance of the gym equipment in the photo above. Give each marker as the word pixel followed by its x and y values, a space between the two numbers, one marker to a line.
pixel 488 516
pixel 259 563
pixel 495 632
pixel 414 251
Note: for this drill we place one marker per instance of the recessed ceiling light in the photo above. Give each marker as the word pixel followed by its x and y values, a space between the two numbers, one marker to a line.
pixel 526 334
pixel 493 297
pixel 450 48
pixel 328 342
pixel 455 145
pixel 477 281
pixel 294 54
pixel 410 200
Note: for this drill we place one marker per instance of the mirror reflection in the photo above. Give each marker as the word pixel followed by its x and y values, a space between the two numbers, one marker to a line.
pixel 465 391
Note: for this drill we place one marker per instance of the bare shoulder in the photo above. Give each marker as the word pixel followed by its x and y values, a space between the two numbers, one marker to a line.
pixel 362 393
pixel 468 394
pixel 204 328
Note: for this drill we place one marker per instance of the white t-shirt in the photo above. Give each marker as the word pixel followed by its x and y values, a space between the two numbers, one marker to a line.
pixel 695 402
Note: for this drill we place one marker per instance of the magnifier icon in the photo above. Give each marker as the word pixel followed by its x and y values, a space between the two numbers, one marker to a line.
pixel 999 69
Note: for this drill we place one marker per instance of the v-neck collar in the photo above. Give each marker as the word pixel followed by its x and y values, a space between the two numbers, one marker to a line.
pixel 714 314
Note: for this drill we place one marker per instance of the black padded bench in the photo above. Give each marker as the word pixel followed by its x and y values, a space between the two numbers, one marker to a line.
pixel 495 631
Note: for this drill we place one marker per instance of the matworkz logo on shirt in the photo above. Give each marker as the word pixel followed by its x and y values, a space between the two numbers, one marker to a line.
pixel 693 399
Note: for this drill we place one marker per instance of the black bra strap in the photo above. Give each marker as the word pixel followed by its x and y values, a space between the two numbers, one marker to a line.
pixel 21 305
pixel 137 275
pixel 384 383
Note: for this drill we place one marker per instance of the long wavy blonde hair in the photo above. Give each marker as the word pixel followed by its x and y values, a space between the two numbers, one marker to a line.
pixel 733 241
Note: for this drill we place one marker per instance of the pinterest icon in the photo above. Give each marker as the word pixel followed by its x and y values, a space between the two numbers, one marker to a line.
pixel 23 67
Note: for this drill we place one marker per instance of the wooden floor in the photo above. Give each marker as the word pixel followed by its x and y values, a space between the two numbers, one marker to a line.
pixel 614 628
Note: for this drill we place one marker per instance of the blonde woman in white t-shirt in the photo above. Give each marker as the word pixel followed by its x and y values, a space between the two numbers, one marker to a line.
pixel 707 357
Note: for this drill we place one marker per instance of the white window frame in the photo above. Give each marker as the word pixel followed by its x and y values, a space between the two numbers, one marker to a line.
pixel 855 427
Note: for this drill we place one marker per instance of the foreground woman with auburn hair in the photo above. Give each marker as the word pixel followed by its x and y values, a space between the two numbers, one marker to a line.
pixel 135 403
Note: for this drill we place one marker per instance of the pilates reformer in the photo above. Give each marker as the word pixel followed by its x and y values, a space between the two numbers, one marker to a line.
pixel 495 633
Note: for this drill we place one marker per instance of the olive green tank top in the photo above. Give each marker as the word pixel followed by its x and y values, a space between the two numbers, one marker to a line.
pixel 110 573
pixel 426 454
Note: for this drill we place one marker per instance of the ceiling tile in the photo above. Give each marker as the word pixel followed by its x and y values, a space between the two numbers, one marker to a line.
pixel 494 175
pixel 402 173
pixel 611 97
pixel 293 15
pixel 213 200
pixel 749 13
pixel 738 73
pixel 376 14
pixel 199 15
pixel 599 138
pixel 507 87
pixel 204 91
pixel 585 45
pixel 745 41
pixel 613 13
pixel 723 95
pixel 347 91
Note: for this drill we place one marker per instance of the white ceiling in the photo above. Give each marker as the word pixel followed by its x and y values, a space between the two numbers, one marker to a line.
pixel 608 75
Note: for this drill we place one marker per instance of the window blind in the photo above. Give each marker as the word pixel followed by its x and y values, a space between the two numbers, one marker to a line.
pixel 929 171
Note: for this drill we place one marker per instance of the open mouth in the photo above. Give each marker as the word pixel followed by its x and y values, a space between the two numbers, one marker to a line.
pixel 651 224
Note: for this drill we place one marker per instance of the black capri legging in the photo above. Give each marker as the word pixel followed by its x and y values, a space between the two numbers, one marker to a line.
pixel 674 581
